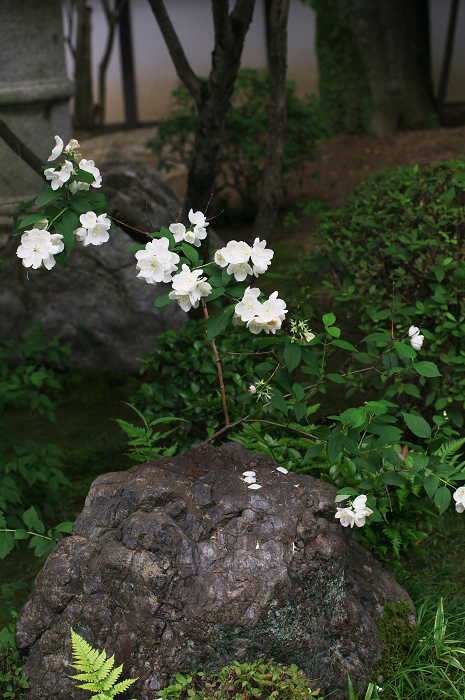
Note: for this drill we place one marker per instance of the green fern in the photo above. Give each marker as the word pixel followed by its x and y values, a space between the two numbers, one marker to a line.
pixel 98 671
pixel 448 452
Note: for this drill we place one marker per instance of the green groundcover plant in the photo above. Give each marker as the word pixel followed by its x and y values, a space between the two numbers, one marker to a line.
pixel 394 255
pixel 395 470
pixel 245 134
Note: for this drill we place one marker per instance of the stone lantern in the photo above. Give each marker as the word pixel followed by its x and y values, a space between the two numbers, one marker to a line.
pixel 34 89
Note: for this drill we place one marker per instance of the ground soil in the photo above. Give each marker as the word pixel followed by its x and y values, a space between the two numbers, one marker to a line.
pixel 344 162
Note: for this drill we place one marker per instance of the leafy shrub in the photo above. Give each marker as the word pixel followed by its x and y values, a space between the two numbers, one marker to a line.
pixel 245 135
pixel 399 241
pixel 30 473
pixel 246 681
pixel 182 368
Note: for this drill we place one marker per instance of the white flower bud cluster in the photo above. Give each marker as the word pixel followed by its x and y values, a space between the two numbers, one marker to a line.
pixel 196 234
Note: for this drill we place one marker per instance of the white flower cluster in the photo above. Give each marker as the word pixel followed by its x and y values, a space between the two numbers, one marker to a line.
pixel 354 514
pixel 416 340
pixel 258 316
pixel 156 263
pixel 39 246
pixel 194 236
pixel 459 498
pixel 94 229
pixel 237 254
pixel 189 287
pixel 59 177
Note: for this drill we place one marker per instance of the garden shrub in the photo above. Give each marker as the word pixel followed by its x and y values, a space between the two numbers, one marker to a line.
pixel 245 135
pixel 30 473
pixel 182 368
pixel 399 242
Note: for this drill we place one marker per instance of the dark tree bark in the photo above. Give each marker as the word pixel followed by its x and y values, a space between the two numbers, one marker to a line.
pixel 212 96
pixel 374 64
pixel 83 99
pixel 268 204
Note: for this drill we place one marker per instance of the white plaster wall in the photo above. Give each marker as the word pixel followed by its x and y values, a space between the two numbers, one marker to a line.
pixel 193 22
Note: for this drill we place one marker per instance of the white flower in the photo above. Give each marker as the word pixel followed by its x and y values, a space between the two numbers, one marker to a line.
pixel 178 231
pixel 249 479
pixel 252 389
pixel 360 515
pixel 94 229
pixel 197 218
pixel 255 326
pixel 346 516
pixel 188 289
pixel 254 486
pixel 416 340
pixel 156 263
pixel 39 246
pixel 283 470
pixel 261 257
pixel 42 224
pixel 219 258
pixel 273 308
pixel 54 177
pixel 309 336
pixel 360 502
pixel 459 497
pixel 56 151
pixel 89 167
pixel 72 146
pixel 249 306
pixel 251 473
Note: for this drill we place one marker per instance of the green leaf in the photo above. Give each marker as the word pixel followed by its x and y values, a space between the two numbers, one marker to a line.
pixel 292 355
pixel 163 299
pixel 377 338
pixel 343 344
pixel 135 248
pixel 218 321
pixel 405 350
pixel 7 543
pixel 189 252
pixel 300 410
pixel 312 365
pixel 298 391
pixel 30 219
pixel 442 499
pixel 48 195
pixel 335 378
pixel 329 319
pixel 278 401
pixel 21 535
pixel 417 425
pixel 32 521
pixel 83 176
pixel 68 236
pixel 314 451
pixel 334 448
pixel 393 478
pixel 431 485
pixel 427 369
pixel 215 293
pixel 71 220
pixel 333 331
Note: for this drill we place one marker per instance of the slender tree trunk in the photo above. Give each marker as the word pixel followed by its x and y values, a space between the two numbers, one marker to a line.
pixel 212 97
pixel 268 204
pixel 83 99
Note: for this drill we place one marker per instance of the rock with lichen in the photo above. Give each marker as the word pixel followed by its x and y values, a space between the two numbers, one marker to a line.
pixel 178 564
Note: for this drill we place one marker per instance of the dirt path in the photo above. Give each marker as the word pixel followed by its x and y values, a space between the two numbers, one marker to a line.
pixel 345 161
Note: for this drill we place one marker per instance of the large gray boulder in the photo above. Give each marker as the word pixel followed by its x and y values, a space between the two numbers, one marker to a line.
pixel 177 565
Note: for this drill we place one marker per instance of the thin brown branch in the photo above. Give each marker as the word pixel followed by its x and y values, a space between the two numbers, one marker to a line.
pixel 181 64
pixel 218 369
pixel 127 225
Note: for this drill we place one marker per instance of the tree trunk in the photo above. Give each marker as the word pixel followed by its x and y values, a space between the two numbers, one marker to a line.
pixel 268 204
pixel 83 98
pixel 374 64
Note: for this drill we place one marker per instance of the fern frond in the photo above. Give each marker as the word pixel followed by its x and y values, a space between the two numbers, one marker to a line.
pixel 99 674
pixel 447 452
